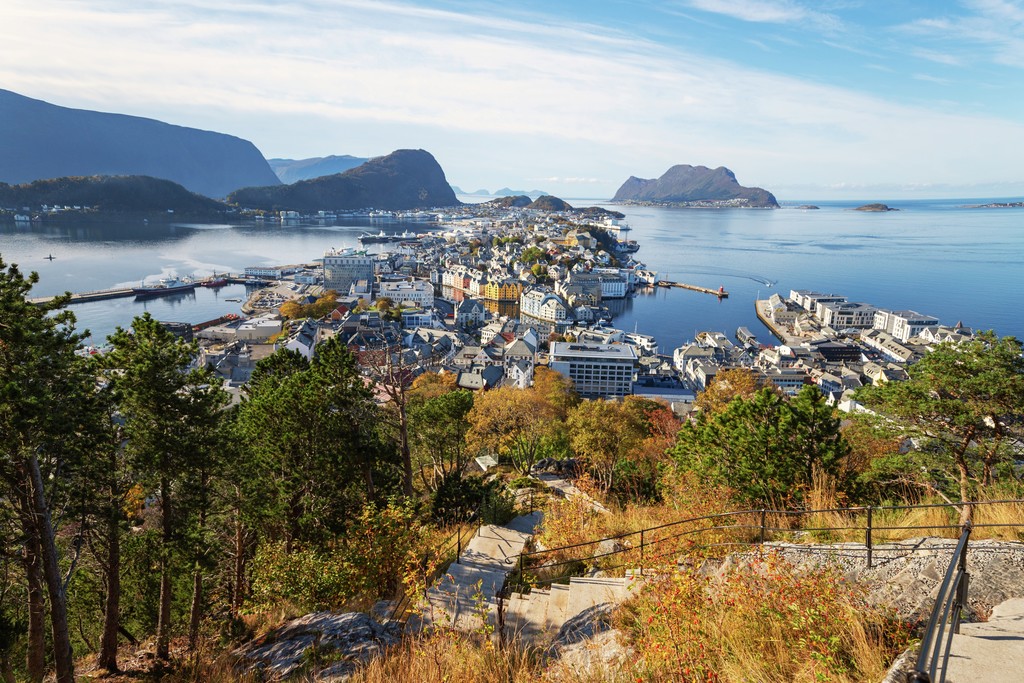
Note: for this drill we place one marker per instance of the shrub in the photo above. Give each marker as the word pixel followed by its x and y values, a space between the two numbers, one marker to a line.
pixel 381 550
pixel 766 621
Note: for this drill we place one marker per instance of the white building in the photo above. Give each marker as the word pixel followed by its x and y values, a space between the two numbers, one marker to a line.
pixel 342 268
pixel 903 324
pixel 840 315
pixel 416 292
pixel 597 370
pixel 543 304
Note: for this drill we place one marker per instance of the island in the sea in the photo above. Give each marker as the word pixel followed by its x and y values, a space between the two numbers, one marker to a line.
pixel 875 207
pixel 695 187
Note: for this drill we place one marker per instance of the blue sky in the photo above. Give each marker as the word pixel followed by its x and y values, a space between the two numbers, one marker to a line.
pixel 865 99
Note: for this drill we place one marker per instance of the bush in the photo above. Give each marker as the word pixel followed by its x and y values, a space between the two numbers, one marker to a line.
pixel 766 622
pixel 381 550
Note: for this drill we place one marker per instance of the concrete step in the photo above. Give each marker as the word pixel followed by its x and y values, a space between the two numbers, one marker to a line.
pixel 991 651
pixel 493 546
pixel 585 592
pixel 558 603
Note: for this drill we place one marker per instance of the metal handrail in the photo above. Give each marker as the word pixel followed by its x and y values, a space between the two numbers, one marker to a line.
pixel 762 528
pixel 936 642
pixel 454 542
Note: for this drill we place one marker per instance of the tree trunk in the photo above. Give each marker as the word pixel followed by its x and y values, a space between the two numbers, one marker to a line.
pixel 112 604
pixel 163 623
pixel 35 658
pixel 403 432
pixel 63 659
pixel 967 511
pixel 196 611
pixel 6 670
pixel 239 574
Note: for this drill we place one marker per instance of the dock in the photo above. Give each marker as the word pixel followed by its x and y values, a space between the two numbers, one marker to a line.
pixel 720 292
pixel 103 294
pixel 760 306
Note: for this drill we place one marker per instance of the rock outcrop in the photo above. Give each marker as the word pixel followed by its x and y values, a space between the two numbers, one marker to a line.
pixel 404 179
pixel 697 186
pixel 875 208
pixel 346 640
pixel 42 140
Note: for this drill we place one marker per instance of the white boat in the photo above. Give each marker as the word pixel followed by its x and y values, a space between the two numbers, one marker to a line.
pixel 167 285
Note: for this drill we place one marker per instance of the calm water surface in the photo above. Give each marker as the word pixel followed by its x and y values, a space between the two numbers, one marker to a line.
pixel 933 257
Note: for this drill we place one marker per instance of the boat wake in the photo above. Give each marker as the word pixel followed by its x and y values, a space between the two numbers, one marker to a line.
pixel 725 272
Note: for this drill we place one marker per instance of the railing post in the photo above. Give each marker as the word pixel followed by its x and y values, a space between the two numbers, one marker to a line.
pixel 764 514
pixel 521 575
pixel 867 537
pixel 641 552
pixel 458 546
pixel 965 579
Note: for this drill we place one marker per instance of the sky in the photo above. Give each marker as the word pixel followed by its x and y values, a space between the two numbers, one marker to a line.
pixel 810 99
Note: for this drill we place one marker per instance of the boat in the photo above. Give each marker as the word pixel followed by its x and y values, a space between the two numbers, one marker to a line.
pixel 214 282
pixel 406 236
pixel 367 238
pixel 167 285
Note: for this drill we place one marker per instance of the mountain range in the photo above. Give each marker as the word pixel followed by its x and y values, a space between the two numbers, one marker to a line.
pixel 695 186
pixel 39 140
pixel 293 170
pixel 404 179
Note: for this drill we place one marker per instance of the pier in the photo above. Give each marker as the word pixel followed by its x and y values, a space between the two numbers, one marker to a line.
pixel 720 292
pixel 102 294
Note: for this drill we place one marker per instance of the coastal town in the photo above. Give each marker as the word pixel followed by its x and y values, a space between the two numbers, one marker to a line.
pixel 492 292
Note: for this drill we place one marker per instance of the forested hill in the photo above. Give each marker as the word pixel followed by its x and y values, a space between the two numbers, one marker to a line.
pixel 685 184
pixel 404 179
pixel 42 140
pixel 125 194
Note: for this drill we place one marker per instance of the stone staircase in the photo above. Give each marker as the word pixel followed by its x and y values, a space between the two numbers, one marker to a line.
pixel 466 597
pixel 468 590
pixel 539 615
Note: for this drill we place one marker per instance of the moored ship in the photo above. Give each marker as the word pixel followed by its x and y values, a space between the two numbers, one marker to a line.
pixel 167 285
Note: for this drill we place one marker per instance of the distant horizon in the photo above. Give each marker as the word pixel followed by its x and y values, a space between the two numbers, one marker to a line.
pixel 805 200
pixel 828 99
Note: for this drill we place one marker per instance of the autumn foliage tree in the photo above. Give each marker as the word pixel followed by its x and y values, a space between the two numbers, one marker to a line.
pixel 520 424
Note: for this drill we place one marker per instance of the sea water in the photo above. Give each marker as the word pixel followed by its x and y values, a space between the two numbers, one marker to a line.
pixel 935 257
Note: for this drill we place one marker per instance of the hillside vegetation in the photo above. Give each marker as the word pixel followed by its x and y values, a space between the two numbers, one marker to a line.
pixel 117 194
pixel 153 526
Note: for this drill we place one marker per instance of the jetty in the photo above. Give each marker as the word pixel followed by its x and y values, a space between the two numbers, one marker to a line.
pixel 720 292
pixel 123 292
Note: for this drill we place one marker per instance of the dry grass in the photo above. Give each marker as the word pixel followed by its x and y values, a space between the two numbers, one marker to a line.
pixel 764 622
pixel 448 656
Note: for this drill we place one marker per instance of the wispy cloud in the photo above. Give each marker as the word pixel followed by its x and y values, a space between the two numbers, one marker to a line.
pixel 993 28
pixel 928 78
pixel 768 12
pixel 938 57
